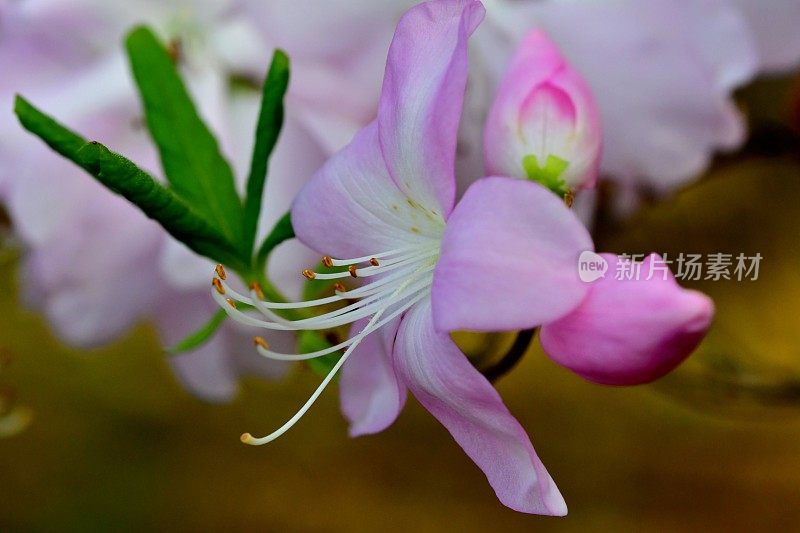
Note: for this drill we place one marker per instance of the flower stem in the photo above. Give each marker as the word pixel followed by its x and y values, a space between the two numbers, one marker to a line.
pixel 513 356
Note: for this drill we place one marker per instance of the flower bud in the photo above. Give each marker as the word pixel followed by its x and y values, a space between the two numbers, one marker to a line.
pixel 544 124
pixel 629 331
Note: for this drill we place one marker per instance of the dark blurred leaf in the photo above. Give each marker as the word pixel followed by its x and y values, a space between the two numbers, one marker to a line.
pixel 190 155
pixel 270 120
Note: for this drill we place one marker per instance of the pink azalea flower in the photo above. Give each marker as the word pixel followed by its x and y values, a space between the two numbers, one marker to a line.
pixel 503 258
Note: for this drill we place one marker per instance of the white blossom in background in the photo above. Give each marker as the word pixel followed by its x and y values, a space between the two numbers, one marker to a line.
pixel 94 265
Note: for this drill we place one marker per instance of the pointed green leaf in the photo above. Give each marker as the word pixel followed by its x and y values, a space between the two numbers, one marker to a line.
pixel 190 155
pixel 270 120
pixel 125 178
pixel 159 203
pixel 63 140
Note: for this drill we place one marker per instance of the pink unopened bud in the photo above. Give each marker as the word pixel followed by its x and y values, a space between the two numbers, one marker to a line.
pixel 629 331
pixel 544 124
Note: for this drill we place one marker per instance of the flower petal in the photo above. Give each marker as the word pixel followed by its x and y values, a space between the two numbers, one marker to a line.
pixel 628 332
pixel 422 99
pixel 508 259
pixel 351 207
pixel 370 393
pixel 447 385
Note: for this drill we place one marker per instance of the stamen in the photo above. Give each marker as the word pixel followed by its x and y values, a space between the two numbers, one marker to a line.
pixel 410 259
pixel 356 260
pixel 220 270
pixel 218 285
pixel 338 287
pixel 327 261
pixel 332 349
pixel 249 439
pixel 256 288
pixel 374 262
pixel 261 343
pixel 244 318
pixel 309 274
pixel 231 302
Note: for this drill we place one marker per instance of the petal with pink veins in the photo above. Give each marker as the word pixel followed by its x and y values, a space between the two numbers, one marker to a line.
pixel 422 99
pixel 446 384
pixel 351 207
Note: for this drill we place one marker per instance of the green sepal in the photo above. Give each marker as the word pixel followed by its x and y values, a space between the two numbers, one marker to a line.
pixel 190 155
pixel 548 175
pixel 281 232
pixel 311 341
pixel 270 121
pixel 201 336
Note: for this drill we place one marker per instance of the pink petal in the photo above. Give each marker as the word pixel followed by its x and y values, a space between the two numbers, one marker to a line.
pixel 447 385
pixel 632 331
pixel 351 207
pixel 543 108
pixel 508 259
pixel 422 99
pixel 370 393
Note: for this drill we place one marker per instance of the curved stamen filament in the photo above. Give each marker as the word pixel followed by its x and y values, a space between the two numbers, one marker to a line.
pixel 369 328
pixel 374 270
pixel 347 315
pixel 366 258
pixel 266 352
pixel 358 309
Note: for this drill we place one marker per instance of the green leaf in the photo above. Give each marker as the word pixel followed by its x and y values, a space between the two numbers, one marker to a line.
pixel 282 231
pixel 270 121
pixel 199 337
pixel 159 203
pixel 64 141
pixel 125 178
pixel 190 155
